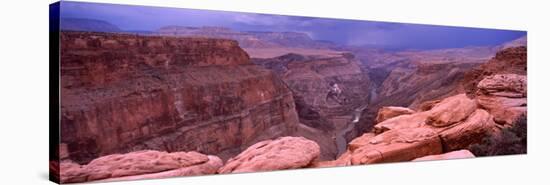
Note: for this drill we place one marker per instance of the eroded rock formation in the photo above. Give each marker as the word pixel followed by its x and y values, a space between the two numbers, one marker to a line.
pixel 500 85
pixel 122 93
pixel 385 113
pixel 140 165
pixel 280 154
pixel 410 136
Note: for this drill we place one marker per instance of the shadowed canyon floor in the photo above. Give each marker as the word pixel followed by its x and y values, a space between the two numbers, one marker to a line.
pixel 175 104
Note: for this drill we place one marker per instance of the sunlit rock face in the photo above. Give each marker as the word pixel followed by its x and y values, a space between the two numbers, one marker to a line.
pixel 122 93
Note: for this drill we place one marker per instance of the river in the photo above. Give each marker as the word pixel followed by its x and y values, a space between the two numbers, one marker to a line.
pixel 341 143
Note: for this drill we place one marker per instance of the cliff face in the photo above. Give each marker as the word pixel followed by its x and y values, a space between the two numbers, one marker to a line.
pixel 512 60
pixel 420 81
pixel 122 93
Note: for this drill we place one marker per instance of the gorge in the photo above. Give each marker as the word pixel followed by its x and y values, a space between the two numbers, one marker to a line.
pixel 243 102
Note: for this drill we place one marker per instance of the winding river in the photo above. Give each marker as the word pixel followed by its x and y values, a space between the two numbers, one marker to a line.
pixel 341 143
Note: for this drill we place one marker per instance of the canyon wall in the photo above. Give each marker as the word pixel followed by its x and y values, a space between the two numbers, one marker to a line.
pixel 122 93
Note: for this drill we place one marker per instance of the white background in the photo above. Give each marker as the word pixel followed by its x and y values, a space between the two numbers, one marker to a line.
pixel 24 90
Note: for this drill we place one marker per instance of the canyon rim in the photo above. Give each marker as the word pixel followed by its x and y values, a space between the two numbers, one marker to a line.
pixel 151 92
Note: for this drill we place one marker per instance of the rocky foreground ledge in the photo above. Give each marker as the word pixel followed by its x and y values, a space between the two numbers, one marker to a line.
pixel 442 129
pixel 269 155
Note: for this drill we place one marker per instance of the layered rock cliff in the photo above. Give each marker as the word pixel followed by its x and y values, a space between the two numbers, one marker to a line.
pixel 122 93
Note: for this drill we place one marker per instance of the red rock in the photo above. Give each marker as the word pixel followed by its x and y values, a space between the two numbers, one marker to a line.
pixel 71 172
pixel 407 137
pixel 166 94
pixel 139 163
pixel 505 110
pixel 402 122
pixel 478 126
pixel 343 160
pixel 385 113
pixel 508 61
pixel 209 167
pixel 504 85
pixel 459 154
pixel 504 96
pixel 282 153
pixel 451 110
pixel 398 145
pixel 360 141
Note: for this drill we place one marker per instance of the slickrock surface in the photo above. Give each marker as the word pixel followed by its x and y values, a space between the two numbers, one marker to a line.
pixel 500 85
pixel 459 154
pixel 505 96
pixel 451 110
pixel 282 153
pixel 385 113
pixel 411 136
pixel 398 145
pixel 140 165
pixel 122 93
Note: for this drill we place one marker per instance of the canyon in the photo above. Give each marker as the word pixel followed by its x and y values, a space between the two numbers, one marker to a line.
pixel 123 93
pixel 212 100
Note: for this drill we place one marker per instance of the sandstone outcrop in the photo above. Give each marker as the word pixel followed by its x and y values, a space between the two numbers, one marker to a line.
pixel 385 113
pixel 477 126
pixel 505 85
pixel 401 122
pixel 411 136
pixel 122 93
pixel 459 154
pixel 140 165
pixel 500 85
pixel 279 154
pixel 505 96
pixel 398 145
pixel 451 110
pixel 508 61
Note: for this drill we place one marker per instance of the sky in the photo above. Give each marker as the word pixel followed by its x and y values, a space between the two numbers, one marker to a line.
pixel 341 31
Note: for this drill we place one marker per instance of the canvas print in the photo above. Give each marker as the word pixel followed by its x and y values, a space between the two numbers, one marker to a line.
pixel 154 92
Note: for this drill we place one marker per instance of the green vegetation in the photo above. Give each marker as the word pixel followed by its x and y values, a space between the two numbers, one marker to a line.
pixel 510 141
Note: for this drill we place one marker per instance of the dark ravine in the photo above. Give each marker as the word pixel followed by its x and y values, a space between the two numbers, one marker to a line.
pixel 330 92
pixel 341 141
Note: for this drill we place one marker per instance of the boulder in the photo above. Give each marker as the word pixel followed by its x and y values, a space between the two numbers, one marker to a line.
pixel 140 163
pixel 478 126
pixel 385 113
pixel 459 154
pixel 451 110
pixel 504 96
pixel 506 85
pixel 282 153
pixel 398 145
pixel 402 122
pixel 209 167
pixel 504 110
